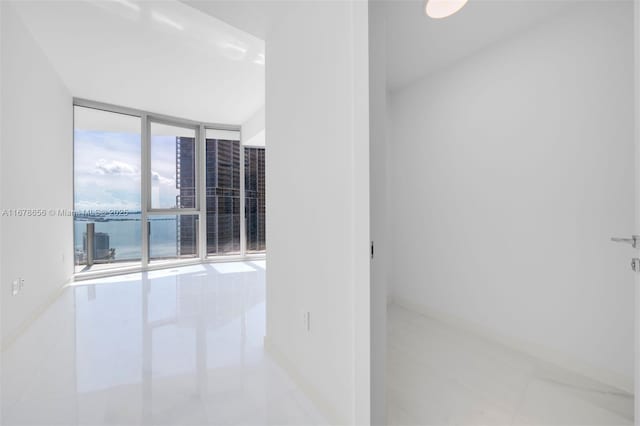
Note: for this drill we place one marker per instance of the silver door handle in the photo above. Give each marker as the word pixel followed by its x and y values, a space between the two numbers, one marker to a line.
pixel 634 240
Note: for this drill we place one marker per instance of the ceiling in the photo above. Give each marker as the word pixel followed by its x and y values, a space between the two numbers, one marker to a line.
pixel 160 56
pixel 418 45
pixel 253 16
pixel 184 58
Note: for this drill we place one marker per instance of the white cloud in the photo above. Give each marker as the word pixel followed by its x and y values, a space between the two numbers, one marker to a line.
pixel 157 178
pixel 115 167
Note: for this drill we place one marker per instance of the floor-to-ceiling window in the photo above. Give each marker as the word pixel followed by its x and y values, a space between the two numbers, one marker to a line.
pixel 173 216
pixel 107 188
pixel 152 189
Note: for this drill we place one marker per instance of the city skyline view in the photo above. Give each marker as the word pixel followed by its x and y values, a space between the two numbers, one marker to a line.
pixel 107 170
pixel 107 178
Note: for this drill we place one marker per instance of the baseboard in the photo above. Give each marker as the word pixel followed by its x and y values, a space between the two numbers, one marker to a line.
pixel 307 388
pixel 540 352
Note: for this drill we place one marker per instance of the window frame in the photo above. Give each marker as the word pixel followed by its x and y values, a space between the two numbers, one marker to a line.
pixel 147 209
pixel 175 210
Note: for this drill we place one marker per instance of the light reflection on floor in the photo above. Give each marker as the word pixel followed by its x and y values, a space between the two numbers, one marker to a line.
pixel 177 346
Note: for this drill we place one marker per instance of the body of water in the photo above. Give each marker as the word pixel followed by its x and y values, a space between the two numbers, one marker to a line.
pixel 125 235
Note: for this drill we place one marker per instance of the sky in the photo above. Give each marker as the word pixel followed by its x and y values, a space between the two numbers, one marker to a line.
pixel 107 170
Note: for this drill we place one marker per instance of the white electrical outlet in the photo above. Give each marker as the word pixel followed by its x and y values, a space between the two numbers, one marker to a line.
pixel 15 287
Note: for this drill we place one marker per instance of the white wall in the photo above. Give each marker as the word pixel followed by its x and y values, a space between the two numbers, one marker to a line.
pixel 2 294
pixel 511 170
pixel 318 202
pixel 379 209
pixel 253 130
pixel 36 173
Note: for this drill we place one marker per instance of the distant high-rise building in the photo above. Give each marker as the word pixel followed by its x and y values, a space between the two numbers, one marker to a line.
pixel 222 160
pixel 186 225
pixel 101 246
pixel 254 163
pixel 223 196
pixel 185 172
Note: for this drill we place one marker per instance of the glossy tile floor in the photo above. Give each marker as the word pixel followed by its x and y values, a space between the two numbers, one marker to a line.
pixel 171 347
pixel 439 375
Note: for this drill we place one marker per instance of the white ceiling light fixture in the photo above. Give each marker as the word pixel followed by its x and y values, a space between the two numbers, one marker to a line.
pixel 438 9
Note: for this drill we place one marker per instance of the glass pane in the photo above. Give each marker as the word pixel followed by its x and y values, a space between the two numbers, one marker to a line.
pixel 223 195
pixel 254 184
pixel 107 153
pixel 173 167
pixel 173 236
